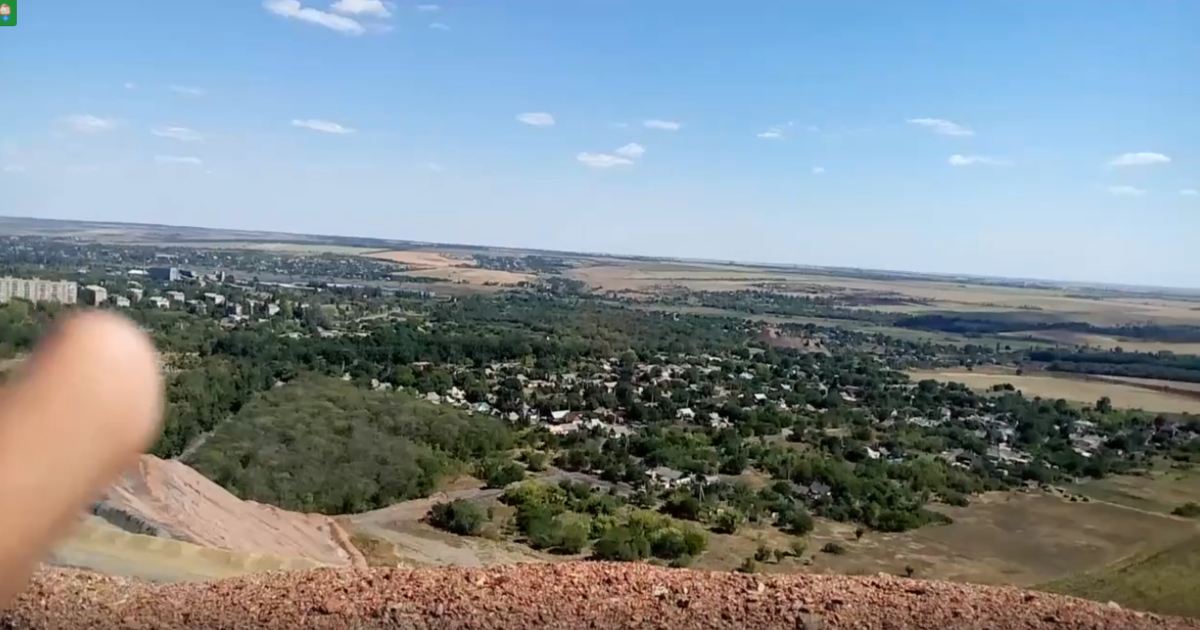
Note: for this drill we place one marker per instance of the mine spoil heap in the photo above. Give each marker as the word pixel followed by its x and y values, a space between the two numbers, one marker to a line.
pixel 569 595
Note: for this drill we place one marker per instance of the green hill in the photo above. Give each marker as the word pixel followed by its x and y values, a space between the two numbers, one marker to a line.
pixel 1165 581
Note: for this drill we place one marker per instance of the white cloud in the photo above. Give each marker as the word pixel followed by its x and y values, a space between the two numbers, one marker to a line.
pixel 602 160
pixel 1132 191
pixel 183 134
pixel 619 125
pixel 666 125
pixel 632 151
pixel 86 123
pixel 292 9
pixel 943 127
pixel 970 160
pixel 1143 158
pixel 537 119
pixel 176 159
pixel 187 90
pixel 321 125
pixel 438 26
pixel 1189 192
pixel 13 168
pixel 776 132
pixel 129 85
pixel 434 166
pixel 427 7
pixel 374 8
pixel 818 170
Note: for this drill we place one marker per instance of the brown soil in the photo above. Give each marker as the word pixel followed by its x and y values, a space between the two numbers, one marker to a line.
pixel 170 499
pixel 570 595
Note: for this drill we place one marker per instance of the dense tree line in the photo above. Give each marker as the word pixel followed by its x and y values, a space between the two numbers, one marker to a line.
pixel 1160 365
pixel 974 324
pixel 323 445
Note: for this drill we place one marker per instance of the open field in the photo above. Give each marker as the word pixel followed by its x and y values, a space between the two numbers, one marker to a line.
pixel 452 268
pixel 1126 396
pixel 1002 538
pixel 1069 338
pixel 1160 490
pixel 1165 581
pixel 848 324
pixel 648 277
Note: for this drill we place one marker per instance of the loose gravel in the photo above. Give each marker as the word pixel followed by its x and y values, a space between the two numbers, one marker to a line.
pixel 554 596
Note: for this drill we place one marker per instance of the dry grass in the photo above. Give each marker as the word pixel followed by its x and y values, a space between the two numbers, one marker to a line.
pixel 647 277
pixel 1105 342
pixel 1085 391
pixel 1160 490
pixel 448 267
pixel 1003 538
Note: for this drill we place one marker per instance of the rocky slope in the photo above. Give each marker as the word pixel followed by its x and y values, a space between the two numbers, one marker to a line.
pixel 573 595
pixel 168 499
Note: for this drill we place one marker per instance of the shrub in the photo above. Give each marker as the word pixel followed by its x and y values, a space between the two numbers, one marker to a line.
pixel 799 545
pixel 833 548
pixel 623 544
pixel 762 553
pixel 574 531
pixel 498 473
pixel 535 461
pixel 727 521
pixel 795 521
pixel 457 517
pixel 668 544
pixel 1191 509
pixel 749 565
pixel 694 541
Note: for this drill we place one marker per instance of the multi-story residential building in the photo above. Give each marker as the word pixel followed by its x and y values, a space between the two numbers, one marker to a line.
pixel 94 295
pixel 36 290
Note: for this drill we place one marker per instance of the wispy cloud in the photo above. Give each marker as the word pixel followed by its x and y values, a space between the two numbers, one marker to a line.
pixel 13 168
pixel 632 151
pixel 438 26
pixel 1141 158
pixel 972 160
pixel 183 134
pixel 602 160
pixel 86 123
pixel 292 9
pixel 321 125
pixel 129 85
pixel 666 125
pixel 373 8
pixel 434 166
pixel 1128 191
pixel 428 7
pixel 178 159
pixel 777 132
pixel 188 90
pixel 818 170
pixel 1189 192
pixel 536 119
pixel 943 127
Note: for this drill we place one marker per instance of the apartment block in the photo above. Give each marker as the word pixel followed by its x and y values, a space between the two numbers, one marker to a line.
pixel 36 290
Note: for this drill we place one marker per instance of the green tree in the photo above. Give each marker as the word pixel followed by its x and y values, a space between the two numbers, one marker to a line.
pixel 457 517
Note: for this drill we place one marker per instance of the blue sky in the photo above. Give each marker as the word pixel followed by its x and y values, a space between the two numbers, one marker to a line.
pixel 1002 137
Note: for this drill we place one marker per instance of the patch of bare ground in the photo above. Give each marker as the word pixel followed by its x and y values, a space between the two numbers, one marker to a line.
pixel 171 500
pixel 559 596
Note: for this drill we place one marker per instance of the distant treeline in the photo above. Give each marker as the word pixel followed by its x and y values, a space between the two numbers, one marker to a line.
pixel 993 323
pixel 1163 365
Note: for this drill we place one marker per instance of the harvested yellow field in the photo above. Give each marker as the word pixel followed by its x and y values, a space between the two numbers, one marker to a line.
pixel 1084 391
pixel 418 259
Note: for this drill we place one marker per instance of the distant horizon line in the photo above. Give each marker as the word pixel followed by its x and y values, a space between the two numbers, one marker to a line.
pixel 943 276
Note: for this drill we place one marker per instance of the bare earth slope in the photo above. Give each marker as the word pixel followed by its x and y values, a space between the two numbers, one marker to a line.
pixel 170 499
pixel 570 595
